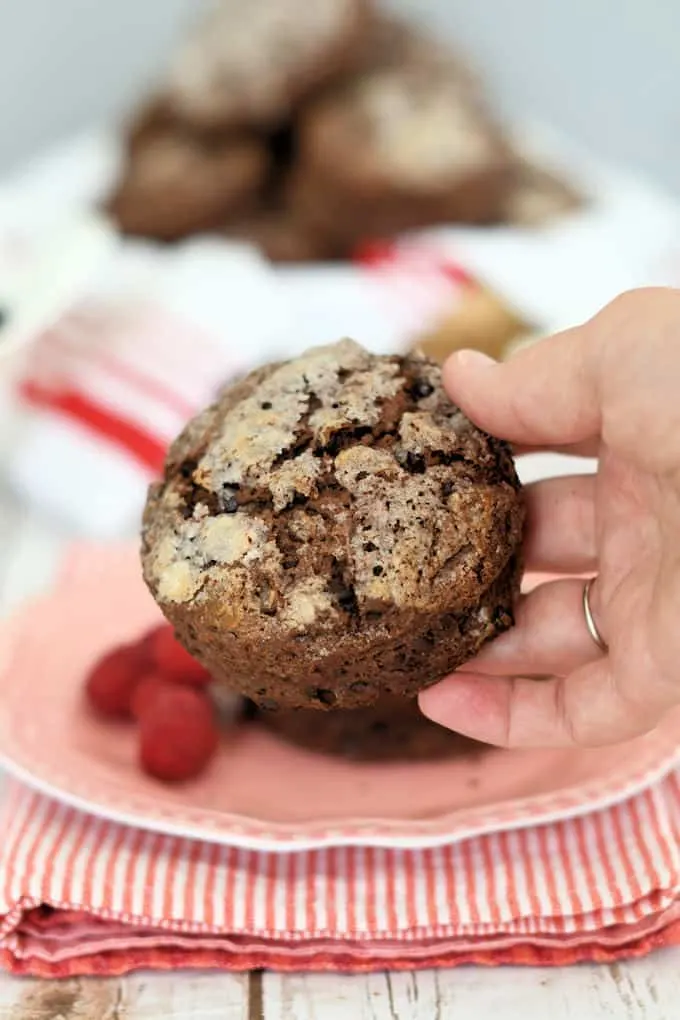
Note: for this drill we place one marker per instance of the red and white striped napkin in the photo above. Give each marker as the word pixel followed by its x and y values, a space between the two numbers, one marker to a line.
pixel 79 895
pixel 113 380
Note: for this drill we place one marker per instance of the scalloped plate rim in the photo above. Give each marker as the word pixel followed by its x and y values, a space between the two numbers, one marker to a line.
pixel 291 842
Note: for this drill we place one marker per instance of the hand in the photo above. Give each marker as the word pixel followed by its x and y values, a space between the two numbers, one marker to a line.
pixel 609 388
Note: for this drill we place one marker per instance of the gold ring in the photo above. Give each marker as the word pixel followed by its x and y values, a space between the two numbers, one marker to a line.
pixel 590 619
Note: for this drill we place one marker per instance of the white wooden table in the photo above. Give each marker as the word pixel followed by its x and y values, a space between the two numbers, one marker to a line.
pixel 648 989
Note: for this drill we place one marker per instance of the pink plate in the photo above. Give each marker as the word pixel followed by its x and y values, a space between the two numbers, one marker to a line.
pixel 260 792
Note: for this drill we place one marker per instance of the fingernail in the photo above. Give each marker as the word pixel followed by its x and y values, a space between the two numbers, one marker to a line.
pixel 474 359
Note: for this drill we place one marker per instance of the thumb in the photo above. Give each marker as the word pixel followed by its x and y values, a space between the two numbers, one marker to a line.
pixel 547 394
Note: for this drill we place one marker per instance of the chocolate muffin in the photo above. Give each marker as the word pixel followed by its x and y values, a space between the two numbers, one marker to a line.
pixel 175 182
pixel 283 237
pixel 407 145
pixel 333 530
pixel 252 62
pixel 393 729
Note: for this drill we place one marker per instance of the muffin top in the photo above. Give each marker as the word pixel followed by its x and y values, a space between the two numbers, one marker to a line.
pixel 417 117
pixel 322 494
pixel 240 60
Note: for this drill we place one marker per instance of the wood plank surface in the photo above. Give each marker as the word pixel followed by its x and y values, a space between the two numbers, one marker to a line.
pixel 646 989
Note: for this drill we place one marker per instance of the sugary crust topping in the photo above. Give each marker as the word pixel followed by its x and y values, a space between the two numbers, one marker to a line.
pixel 330 489
pixel 255 432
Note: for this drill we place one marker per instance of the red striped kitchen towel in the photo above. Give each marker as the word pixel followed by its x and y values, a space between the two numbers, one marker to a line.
pixel 114 379
pixel 80 895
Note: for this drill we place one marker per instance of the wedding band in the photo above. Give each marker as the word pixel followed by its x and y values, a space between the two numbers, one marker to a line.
pixel 590 619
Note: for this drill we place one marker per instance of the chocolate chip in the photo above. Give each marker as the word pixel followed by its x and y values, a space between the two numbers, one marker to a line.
pixel 447 488
pixel 344 593
pixel 420 389
pixel 361 475
pixel 326 697
pixel 377 570
pixel 347 600
pixel 266 405
pixel 414 463
pixel 290 562
pixel 370 547
pixel 230 504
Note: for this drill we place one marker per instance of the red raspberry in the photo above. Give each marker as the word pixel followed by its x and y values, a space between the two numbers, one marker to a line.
pixel 145 692
pixel 178 733
pixel 145 645
pixel 171 659
pixel 112 680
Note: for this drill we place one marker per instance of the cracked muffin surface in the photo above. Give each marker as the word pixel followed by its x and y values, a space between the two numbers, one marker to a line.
pixel 333 530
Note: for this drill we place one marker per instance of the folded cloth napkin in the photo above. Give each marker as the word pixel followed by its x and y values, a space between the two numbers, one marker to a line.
pixel 79 895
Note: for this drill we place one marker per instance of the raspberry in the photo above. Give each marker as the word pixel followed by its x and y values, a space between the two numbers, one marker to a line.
pixel 171 659
pixel 145 645
pixel 178 733
pixel 112 680
pixel 145 692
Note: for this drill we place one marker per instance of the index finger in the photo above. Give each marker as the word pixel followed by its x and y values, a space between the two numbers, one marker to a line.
pixel 545 395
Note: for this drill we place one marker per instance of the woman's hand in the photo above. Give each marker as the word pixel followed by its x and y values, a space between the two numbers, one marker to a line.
pixel 610 388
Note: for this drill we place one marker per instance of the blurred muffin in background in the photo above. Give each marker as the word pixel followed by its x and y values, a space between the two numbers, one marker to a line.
pixel 177 181
pixel 408 143
pixel 250 63
pixel 308 129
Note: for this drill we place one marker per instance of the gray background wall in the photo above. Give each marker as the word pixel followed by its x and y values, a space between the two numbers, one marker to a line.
pixel 607 71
